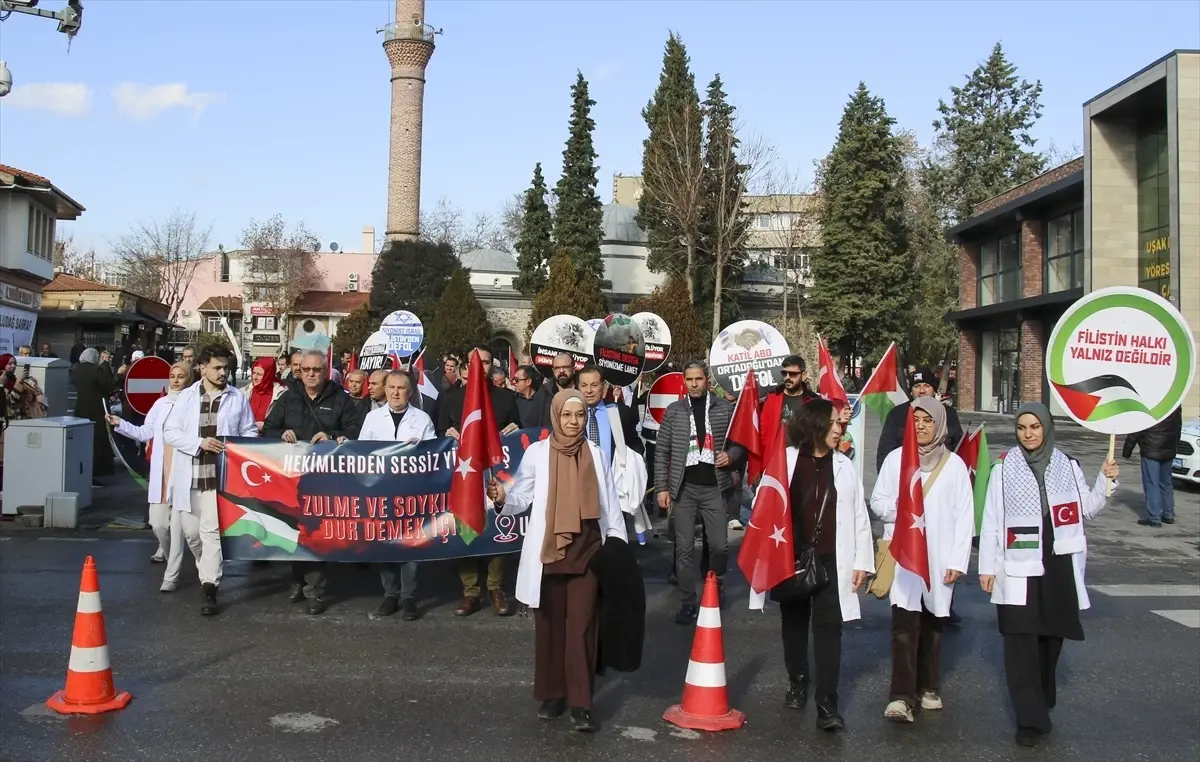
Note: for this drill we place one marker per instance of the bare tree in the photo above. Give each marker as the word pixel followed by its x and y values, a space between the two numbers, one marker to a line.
pixel 280 265
pixel 158 260
pixel 732 167
pixel 448 224
pixel 72 259
pixel 511 215
pixel 786 194
pixel 675 189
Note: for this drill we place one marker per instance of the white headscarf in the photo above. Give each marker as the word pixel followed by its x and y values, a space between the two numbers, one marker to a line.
pixel 90 355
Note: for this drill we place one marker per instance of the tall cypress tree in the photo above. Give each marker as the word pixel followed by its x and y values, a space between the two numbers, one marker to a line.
pixel 578 216
pixel 411 275
pixel 984 145
pixel 672 168
pixel 863 273
pixel 533 244
pixel 567 293
pixel 458 319
pixel 724 221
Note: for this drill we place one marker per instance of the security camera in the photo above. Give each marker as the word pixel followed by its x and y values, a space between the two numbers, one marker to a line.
pixel 5 80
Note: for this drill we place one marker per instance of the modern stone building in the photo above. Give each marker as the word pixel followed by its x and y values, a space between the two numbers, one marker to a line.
pixel 1126 213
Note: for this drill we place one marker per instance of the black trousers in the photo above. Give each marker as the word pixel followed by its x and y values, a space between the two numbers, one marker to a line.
pixel 310 574
pixel 824 612
pixel 1030 663
pixel 916 654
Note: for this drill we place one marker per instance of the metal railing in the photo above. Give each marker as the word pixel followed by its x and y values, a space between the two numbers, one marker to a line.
pixel 408 31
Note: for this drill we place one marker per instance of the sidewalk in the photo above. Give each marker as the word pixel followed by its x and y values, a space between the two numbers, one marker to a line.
pixel 120 499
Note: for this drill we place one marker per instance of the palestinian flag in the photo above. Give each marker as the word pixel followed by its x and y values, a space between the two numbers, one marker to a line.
pixel 973 449
pixel 1022 538
pixel 883 390
pixel 238 520
pixel 1083 397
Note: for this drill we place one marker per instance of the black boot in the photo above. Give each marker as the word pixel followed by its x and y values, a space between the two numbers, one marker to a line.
pixel 828 717
pixel 797 694
pixel 297 593
pixel 582 722
pixel 208 605
pixel 552 709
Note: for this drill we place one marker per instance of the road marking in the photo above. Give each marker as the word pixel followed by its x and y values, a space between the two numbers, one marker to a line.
pixel 638 734
pixel 1186 617
pixel 293 722
pixel 690 735
pixel 68 539
pixel 1148 591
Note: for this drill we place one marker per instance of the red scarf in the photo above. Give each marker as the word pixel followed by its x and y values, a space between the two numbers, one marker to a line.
pixel 4 360
pixel 264 391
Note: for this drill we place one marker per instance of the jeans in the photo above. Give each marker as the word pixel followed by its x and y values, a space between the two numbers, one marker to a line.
pixel 709 503
pixel 1159 489
pixel 399 580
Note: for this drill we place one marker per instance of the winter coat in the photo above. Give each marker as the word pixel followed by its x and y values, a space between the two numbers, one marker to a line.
pixel 333 412
pixel 621 629
pixel 1160 440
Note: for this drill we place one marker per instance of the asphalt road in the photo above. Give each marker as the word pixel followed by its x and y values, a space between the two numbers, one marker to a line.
pixel 265 681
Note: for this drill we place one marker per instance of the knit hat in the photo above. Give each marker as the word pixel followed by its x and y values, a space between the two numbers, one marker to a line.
pixel 922 376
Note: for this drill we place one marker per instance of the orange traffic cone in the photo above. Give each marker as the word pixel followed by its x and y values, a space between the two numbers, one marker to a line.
pixel 705 704
pixel 89 687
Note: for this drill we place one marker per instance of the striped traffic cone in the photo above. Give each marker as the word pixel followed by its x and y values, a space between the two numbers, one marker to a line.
pixel 89 688
pixel 705 704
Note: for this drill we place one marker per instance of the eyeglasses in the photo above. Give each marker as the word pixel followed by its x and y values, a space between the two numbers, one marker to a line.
pixel 793 373
pixel 519 379
pixel 311 370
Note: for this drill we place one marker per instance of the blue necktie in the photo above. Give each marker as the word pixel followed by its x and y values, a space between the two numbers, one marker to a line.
pixel 594 427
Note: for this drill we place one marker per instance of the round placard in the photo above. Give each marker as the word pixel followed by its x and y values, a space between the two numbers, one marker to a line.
pixel 748 345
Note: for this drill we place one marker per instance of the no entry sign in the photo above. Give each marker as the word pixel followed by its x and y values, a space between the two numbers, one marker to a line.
pixel 145 382
pixel 666 389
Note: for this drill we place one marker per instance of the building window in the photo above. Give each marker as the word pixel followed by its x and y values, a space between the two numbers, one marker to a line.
pixel 40 233
pixel 1064 252
pixel 999 369
pixel 264 323
pixel 1154 200
pixel 762 221
pixel 212 324
pixel 1000 270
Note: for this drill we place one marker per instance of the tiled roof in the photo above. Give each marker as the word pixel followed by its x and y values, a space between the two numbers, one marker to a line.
pixel 65 282
pixel 330 302
pixel 29 177
pixel 1030 186
pixel 221 304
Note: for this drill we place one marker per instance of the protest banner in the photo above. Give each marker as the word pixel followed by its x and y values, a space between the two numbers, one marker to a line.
pixel 385 502
pixel 657 335
pixel 558 334
pixel 748 345
pixel 405 333
pixel 619 350
pixel 374 353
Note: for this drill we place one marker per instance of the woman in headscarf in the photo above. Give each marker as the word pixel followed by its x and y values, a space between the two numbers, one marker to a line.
pixel 949 523
pixel 265 388
pixel 22 398
pixel 162 522
pixel 567 486
pixel 93 384
pixel 1032 552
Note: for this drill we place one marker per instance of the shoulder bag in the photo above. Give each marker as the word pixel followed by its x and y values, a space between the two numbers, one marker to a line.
pixel 811 576
pixel 885 563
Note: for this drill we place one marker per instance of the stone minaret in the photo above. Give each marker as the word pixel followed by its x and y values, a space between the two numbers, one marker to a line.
pixel 408 44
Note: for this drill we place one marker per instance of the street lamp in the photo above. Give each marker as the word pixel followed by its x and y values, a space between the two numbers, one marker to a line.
pixel 69 19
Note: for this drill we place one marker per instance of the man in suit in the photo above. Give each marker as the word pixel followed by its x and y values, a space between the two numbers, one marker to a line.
pixel 607 420
pixel 692 473
pixel 508 420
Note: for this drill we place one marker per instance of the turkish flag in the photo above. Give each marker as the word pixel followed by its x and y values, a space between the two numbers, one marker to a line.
pixel 828 384
pixel 1065 513
pixel 768 557
pixel 479 449
pixel 351 366
pixel 744 426
pixel 909 546
pixel 248 475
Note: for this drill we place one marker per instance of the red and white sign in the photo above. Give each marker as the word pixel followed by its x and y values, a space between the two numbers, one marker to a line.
pixel 666 389
pixel 145 382
pixel 262 311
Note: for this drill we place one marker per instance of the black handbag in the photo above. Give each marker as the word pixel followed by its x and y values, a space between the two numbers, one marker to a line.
pixel 811 576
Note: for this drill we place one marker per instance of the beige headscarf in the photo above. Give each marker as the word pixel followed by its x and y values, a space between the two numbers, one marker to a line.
pixel 574 492
pixel 931 454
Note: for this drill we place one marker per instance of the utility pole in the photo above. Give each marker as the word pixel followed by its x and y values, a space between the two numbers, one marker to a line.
pixel 69 19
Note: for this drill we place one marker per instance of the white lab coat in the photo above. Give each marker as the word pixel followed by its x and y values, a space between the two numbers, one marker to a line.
pixel 181 431
pixel 416 426
pixel 1011 591
pixel 152 430
pixel 949 526
pixel 852 541
pixel 628 472
pixel 530 490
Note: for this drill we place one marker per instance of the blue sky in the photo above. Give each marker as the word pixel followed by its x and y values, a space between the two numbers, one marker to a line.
pixel 238 109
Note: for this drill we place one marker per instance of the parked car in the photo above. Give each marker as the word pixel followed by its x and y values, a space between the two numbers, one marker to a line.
pixel 1186 466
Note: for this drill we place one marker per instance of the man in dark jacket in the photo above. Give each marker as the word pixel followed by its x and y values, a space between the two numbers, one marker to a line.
pixel 1158 449
pixel 921 383
pixel 315 410
pixel 449 424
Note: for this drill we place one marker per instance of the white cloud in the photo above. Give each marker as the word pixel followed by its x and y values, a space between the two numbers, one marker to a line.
pixel 138 101
pixel 62 98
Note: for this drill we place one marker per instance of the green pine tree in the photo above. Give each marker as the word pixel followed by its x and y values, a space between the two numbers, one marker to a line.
pixel 354 329
pixel 567 293
pixel 411 275
pixel 578 216
pixel 671 302
pixel 724 221
pixel 983 141
pixel 459 320
pixel 863 273
pixel 669 209
pixel 533 243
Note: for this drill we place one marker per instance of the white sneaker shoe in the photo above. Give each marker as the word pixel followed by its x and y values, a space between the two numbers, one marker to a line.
pixel 168 587
pixel 898 711
pixel 735 525
pixel 158 557
pixel 931 701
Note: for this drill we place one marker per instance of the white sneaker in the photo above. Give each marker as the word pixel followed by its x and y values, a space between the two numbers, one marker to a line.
pixel 158 557
pixel 931 701
pixel 168 587
pixel 898 711
pixel 735 525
